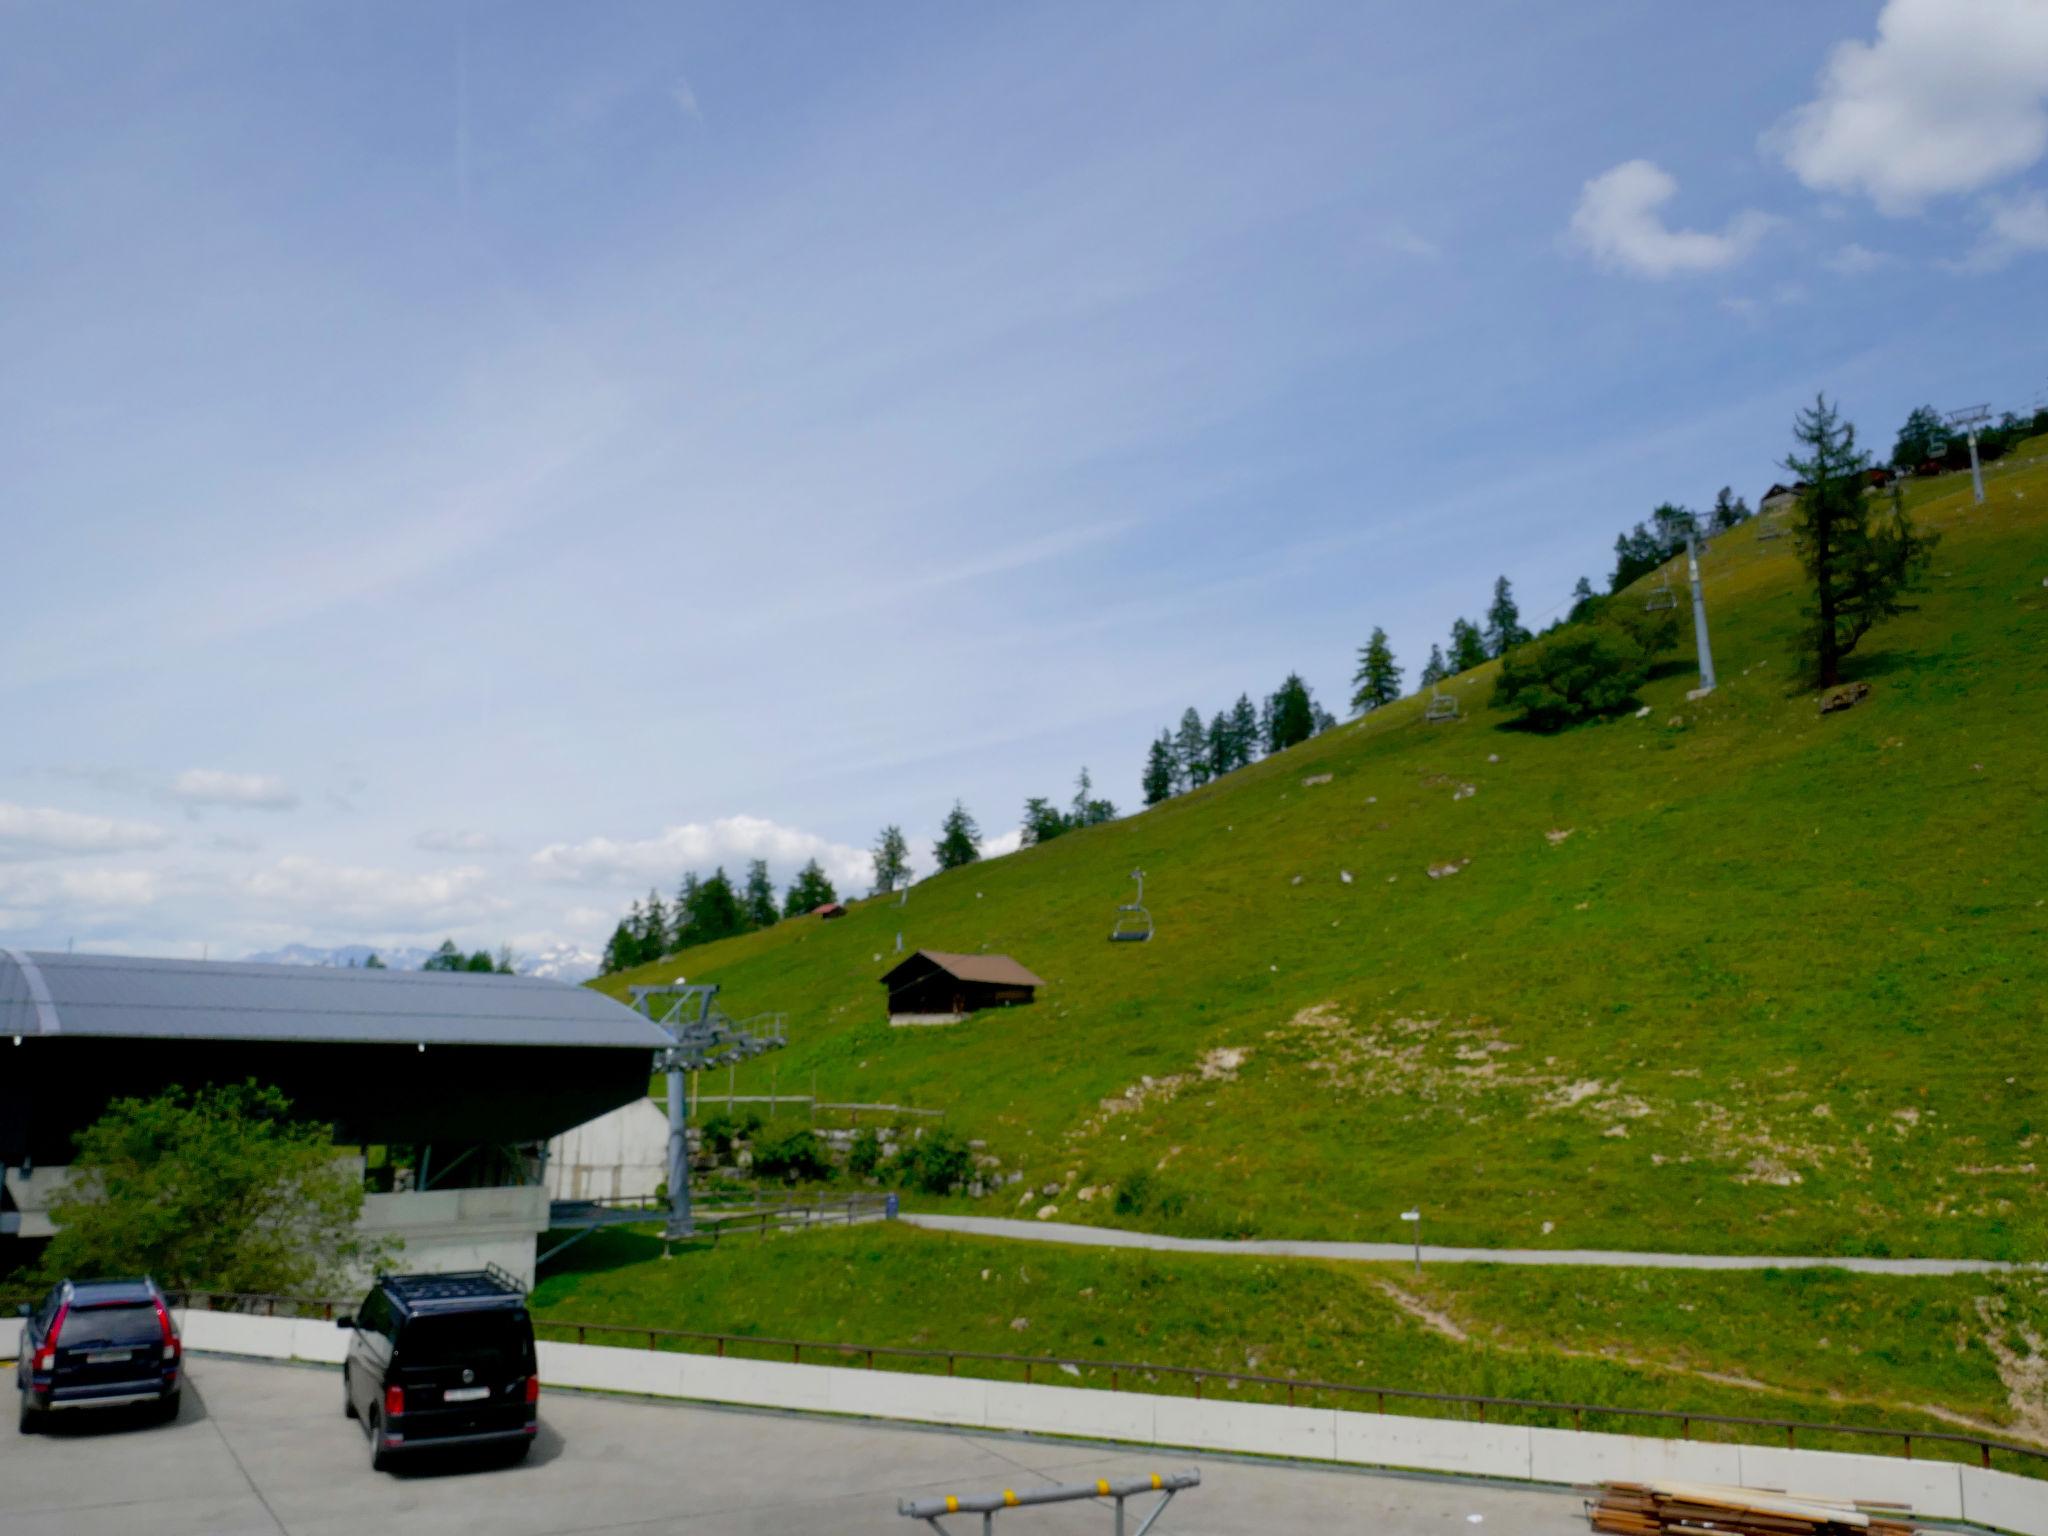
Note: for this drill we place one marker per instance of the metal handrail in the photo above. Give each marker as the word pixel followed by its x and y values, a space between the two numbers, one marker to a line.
pixel 1120 1369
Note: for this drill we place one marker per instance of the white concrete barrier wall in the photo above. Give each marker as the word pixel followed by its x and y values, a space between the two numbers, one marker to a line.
pixel 1938 1490
pixel 10 1337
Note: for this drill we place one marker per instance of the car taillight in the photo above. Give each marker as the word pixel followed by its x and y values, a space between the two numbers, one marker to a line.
pixel 46 1354
pixel 533 1389
pixel 163 1321
pixel 43 1358
pixel 394 1402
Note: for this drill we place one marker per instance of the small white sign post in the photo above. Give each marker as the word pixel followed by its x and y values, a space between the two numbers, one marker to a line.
pixel 1415 1216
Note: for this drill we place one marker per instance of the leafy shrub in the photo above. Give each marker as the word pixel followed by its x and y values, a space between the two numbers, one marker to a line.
pixel 864 1157
pixel 1573 674
pixel 795 1155
pixel 723 1131
pixel 935 1162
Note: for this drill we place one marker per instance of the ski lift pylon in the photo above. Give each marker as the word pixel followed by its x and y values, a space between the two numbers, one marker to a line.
pixel 1133 923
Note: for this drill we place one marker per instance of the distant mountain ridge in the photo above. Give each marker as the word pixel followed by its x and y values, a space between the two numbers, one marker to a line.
pixel 561 962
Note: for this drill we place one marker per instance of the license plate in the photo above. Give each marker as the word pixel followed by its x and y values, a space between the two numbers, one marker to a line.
pixel 107 1356
pixel 465 1394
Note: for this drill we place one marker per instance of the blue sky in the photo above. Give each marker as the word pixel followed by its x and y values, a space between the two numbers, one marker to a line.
pixel 461 465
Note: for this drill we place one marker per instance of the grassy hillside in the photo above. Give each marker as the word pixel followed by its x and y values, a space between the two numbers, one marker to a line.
pixel 1730 976
pixel 1934 1353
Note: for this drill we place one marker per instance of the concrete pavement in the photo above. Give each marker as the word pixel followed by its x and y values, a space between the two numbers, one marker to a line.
pixel 1015 1230
pixel 263 1449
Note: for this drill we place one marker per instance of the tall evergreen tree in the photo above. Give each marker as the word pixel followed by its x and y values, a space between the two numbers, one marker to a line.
pixel 1920 439
pixel 1244 731
pixel 449 958
pixel 1043 821
pixel 1191 749
pixel 718 913
pixel 1859 572
pixel 1293 717
pixel 1436 669
pixel 1159 770
pixel 758 903
pixel 892 859
pixel 1503 620
pixel 1377 681
pixel 1468 646
pixel 1222 752
pixel 1087 810
pixel 1583 599
pixel 808 891
pixel 654 929
pixel 621 951
pixel 1730 511
pixel 959 839
pixel 681 935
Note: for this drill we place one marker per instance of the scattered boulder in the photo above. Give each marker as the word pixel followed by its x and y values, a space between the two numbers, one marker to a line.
pixel 1848 696
pixel 1445 871
pixel 1019 1324
pixel 1344 875
pixel 1559 834
pixel 1317 778
pixel 1047 1212
pixel 1465 792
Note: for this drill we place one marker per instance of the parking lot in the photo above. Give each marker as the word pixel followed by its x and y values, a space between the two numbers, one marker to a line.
pixel 263 1448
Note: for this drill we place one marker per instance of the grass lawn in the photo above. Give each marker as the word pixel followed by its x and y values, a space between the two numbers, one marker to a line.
pixel 1935 1353
pixel 1727 977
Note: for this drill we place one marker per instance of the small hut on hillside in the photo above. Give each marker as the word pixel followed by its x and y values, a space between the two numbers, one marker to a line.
pixel 827 910
pixel 932 987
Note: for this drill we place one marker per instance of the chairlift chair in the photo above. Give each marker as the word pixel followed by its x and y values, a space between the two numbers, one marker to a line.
pixel 1442 707
pixel 1133 923
pixel 1661 597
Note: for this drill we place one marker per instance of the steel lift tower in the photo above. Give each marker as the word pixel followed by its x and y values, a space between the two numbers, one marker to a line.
pixel 1970 419
pixel 703 1037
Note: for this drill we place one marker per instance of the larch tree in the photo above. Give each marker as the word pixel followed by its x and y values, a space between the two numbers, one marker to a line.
pixel 1503 620
pixel 1191 749
pixel 758 902
pixel 1244 730
pixel 1378 681
pixel 959 839
pixel 1859 568
pixel 1160 772
pixel 892 859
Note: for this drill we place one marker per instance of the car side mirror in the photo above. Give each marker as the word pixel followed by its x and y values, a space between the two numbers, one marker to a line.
pixel 344 1321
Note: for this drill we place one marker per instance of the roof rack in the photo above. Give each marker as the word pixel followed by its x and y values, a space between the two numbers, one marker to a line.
pixel 492 1282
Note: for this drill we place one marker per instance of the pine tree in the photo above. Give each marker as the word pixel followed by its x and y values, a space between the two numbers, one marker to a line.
pixel 892 860
pixel 718 913
pixel 1377 681
pixel 1468 646
pixel 1191 750
pixel 1293 715
pixel 959 839
pixel 1730 511
pixel 808 891
pixel 1244 731
pixel 1860 573
pixel 620 951
pixel 758 904
pixel 1583 599
pixel 1159 770
pixel 654 930
pixel 1436 669
pixel 1222 753
pixel 1043 821
pixel 1088 810
pixel 1503 621
pixel 683 915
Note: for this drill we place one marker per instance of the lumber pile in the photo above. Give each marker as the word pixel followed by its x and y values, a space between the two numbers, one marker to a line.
pixel 1710 1509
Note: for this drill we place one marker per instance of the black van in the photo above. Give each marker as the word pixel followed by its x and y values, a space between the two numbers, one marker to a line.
pixel 440 1361
pixel 98 1344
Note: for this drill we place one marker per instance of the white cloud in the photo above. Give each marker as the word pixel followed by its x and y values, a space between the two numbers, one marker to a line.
pixel 1951 96
pixel 439 841
pixel 1853 260
pixel 1399 237
pixel 1002 843
pixel 86 894
pixel 2016 226
pixel 252 791
pixel 730 840
pixel 381 899
pixel 31 832
pixel 1618 224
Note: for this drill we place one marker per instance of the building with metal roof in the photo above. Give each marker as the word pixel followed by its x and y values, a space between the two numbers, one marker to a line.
pixel 469 1073
pixel 933 986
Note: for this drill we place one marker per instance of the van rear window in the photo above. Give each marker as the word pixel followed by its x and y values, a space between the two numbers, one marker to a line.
pixel 464 1338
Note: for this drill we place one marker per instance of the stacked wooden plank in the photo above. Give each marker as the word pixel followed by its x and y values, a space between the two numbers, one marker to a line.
pixel 1710 1509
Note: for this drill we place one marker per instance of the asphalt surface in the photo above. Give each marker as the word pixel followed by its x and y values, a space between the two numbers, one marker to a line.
pixel 1016 1230
pixel 261 1449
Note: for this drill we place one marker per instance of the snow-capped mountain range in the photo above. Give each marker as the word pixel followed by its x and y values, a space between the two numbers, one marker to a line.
pixel 561 962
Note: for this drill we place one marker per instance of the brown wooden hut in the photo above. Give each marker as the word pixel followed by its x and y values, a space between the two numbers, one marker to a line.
pixel 933 985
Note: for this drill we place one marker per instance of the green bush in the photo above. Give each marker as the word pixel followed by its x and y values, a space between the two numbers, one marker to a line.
pixel 935 1162
pixel 1573 674
pixel 864 1157
pixel 724 1131
pixel 795 1156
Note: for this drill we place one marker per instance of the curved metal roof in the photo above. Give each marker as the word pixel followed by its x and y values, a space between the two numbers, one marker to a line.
pixel 54 995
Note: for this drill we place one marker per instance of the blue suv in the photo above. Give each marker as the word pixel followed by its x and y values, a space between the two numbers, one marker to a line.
pixel 99 1344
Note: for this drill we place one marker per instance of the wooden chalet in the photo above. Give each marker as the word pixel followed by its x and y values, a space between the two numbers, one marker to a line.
pixel 934 987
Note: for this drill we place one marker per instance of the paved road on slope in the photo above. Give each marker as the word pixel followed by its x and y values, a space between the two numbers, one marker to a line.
pixel 262 1450
pixel 1289 1248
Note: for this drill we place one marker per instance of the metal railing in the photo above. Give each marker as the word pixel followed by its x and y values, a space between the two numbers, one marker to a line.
pixel 1141 1376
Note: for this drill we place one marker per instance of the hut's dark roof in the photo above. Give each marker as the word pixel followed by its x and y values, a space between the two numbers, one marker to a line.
pixel 997 970
pixel 120 996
